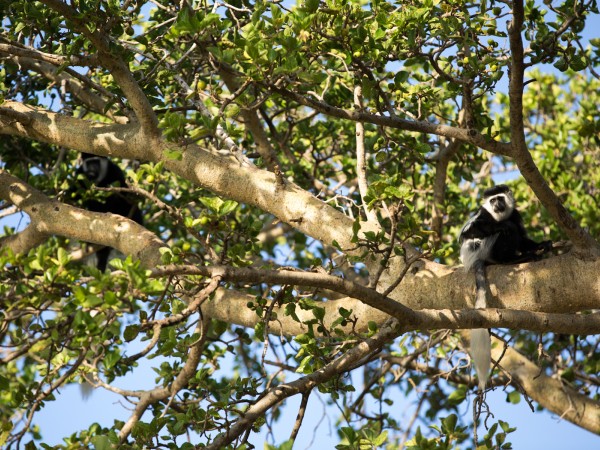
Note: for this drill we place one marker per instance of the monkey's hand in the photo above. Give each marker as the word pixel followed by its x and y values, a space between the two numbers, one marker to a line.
pixel 543 247
pixel 535 252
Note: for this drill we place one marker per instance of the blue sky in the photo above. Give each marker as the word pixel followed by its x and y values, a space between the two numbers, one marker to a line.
pixel 535 430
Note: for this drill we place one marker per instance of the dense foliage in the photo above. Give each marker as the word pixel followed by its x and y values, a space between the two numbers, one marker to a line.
pixel 294 163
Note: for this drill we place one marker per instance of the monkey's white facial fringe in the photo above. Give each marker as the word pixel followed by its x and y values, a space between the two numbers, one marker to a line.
pixel 102 168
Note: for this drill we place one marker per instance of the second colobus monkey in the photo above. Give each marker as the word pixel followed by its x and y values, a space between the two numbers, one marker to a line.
pixel 494 235
pixel 101 172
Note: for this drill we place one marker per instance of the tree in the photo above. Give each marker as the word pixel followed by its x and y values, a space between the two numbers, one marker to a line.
pixel 303 171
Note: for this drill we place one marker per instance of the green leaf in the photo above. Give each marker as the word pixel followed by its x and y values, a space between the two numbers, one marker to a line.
pixel 449 424
pixel 500 438
pixel 20 27
pixel 370 235
pixel 561 64
pixel 381 439
pixel 101 443
pixel 506 427
pixel 492 431
pixel 345 313
pixel 111 358
pixel 423 148
pixel 319 313
pixel 457 396
pixel 568 374
pixel 514 397
pixel 305 365
pixel 349 433
pixel 290 310
pixel 4 383
pixel 287 445
pixel 400 192
pixel 175 155
pixel 259 331
pixel 226 207
pixel 63 256
pixel 214 203
pixel 355 229
pixel 131 332
pixel 578 63
pixel 311 6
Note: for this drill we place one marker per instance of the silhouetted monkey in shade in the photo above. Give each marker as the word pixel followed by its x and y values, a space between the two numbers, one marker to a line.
pixel 101 172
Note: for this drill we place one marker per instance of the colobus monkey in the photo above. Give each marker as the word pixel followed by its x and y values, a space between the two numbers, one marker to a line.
pixel 494 235
pixel 102 172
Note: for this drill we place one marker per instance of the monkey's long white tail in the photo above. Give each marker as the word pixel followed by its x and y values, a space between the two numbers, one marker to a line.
pixel 481 353
pixel 481 350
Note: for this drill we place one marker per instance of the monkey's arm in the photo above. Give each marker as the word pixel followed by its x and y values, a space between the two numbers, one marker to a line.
pixel 480 226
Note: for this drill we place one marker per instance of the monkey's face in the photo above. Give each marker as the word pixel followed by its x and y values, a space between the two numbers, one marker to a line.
pixel 95 169
pixel 498 203
pixel 500 206
pixel 91 168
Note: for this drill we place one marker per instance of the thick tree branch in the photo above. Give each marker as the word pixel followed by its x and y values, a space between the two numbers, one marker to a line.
pixel 231 306
pixel 317 280
pixel 24 241
pixel 234 309
pixel 216 173
pixel 260 188
pixel 517 70
pixel 580 238
pixel 50 217
pixel 550 392
pixel 519 287
pixel 125 140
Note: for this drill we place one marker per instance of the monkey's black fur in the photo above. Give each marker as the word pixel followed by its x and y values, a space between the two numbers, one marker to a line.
pixel 494 235
pixel 511 244
pixel 101 172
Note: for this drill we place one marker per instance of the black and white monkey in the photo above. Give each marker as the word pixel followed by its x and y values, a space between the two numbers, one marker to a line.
pixel 494 235
pixel 101 172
